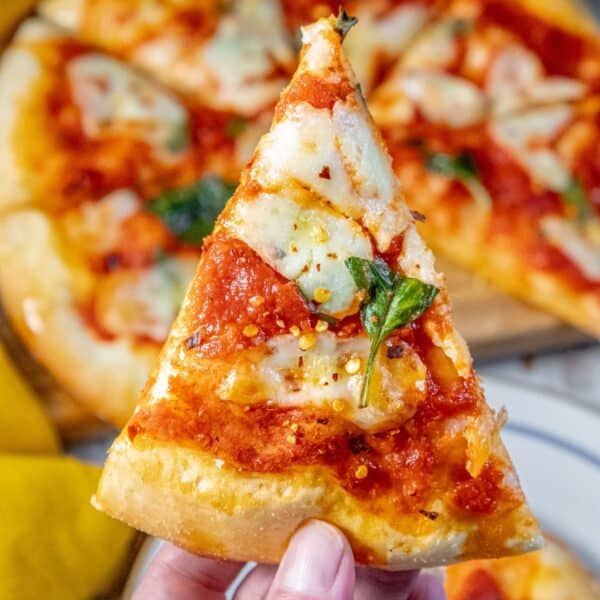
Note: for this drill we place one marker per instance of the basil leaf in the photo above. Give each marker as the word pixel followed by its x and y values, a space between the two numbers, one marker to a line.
pixel 391 302
pixel 461 167
pixel 180 138
pixel 575 195
pixel 235 127
pixel 344 23
pixel 190 212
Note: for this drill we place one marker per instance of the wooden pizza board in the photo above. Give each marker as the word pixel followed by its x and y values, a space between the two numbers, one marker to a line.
pixel 495 324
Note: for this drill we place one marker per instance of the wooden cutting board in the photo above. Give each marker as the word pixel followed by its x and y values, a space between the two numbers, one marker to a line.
pixel 496 324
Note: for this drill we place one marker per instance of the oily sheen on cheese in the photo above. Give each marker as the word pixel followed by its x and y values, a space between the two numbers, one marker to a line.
pixel 304 242
pixel 110 95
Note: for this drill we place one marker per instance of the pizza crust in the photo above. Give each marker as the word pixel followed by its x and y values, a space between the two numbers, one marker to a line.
pixel 186 496
pixel 507 270
pixel 40 289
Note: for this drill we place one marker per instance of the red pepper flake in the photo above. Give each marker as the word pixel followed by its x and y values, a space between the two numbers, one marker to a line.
pixel 325 174
pixel 418 216
pixel 193 341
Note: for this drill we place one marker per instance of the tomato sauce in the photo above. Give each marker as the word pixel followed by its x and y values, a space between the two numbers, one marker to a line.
pixel 406 464
pixel 480 585
pixel 314 90
pixel 518 204
pixel 87 168
pixel 235 289
pixel 561 52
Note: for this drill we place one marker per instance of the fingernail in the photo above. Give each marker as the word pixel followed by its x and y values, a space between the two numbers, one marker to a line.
pixel 312 560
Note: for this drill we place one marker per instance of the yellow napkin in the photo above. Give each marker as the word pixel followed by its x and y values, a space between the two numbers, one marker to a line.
pixel 24 427
pixel 53 544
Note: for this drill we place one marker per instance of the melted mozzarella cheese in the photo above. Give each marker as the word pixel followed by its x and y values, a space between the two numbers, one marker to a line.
pixel 573 241
pixel 143 302
pixel 249 45
pixel 358 182
pixel 376 36
pixel 317 377
pixel 516 79
pixel 435 48
pixel 523 133
pixel 95 226
pixel 111 97
pixel 304 243
pixel 445 99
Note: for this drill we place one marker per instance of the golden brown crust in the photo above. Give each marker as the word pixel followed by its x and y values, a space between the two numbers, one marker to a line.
pixel 201 504
pixel 39 291
pixel 506 269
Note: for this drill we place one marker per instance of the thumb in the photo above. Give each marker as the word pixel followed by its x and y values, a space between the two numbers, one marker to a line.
pixel 318 565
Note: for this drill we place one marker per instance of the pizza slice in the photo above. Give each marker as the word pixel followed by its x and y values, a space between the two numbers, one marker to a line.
pixel 110 182
pixel 314 370
pixel 553 573
pixel 507 180
pixel 232 55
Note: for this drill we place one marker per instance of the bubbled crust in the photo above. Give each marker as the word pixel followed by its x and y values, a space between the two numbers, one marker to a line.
pixel 187 497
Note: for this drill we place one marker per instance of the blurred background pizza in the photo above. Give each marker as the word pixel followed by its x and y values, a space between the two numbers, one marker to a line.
pixel 123 129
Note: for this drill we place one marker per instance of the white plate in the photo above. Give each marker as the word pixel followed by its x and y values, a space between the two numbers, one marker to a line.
pixel 555 446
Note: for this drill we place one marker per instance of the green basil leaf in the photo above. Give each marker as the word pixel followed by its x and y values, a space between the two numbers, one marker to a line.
pixel 235 127
pixel 410 298
pixel 190 212
pixel 392 301
pixel 344 23
pixel 463 168
pixel 360 270
pixel 460 167
pixel 180 138
pixel 575 196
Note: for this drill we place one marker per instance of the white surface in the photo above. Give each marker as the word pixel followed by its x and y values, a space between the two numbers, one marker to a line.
pixel 555 446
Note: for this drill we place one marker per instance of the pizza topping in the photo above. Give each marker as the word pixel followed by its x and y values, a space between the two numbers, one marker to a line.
pixel 229 276
pixel 516 80
pixel 391 302
pixel 248 48
pixel 324 370
pixel 380 37
pixel 114 98
pixel 344 23
pixel 280 228
pixel 95 227
pixel 445 99
pixel 142 303
pixel 580 242
pixel 190 212
pixel 574 195
pixel 360 184
pixel 436 46
pixel 524 134
pixel 463 168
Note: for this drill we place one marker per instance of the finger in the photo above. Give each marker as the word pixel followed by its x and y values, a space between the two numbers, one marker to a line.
pixel 178 575
pixel 318 565
pixel 384 585
pixel 257 584
pixel 428 587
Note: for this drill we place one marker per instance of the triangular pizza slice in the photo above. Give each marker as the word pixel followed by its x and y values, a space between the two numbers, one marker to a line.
pixel 314 370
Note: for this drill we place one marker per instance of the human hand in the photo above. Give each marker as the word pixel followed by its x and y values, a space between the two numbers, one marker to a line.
pixel 318 565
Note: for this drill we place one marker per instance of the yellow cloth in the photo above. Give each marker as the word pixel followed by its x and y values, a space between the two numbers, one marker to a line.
pixel 24 427
pixel 53 543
